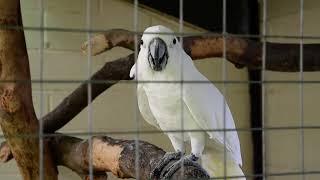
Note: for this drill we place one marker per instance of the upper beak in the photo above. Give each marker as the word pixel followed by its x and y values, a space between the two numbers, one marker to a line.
pixel 158 54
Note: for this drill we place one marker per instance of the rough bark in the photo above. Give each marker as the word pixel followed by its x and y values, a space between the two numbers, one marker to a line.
pixel 17 118
pixel 112 155
pixel 108 155
pixel 239 51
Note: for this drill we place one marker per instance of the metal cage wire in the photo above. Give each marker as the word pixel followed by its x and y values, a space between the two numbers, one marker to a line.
pixel 225 82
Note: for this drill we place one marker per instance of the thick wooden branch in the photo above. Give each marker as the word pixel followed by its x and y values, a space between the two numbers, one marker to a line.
pixel 239 51
pixel 72 152
pixel 17 117
pixel 113 155
pixel 108 155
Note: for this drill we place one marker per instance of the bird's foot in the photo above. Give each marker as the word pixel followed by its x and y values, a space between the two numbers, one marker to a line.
pixel 189 160
pixel 164 161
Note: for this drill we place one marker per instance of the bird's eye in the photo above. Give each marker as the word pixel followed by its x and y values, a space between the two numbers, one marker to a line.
pixel 174 41
pixel 141 42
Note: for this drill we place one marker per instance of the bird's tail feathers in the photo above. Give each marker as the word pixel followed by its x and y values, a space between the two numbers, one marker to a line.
pixel 213 162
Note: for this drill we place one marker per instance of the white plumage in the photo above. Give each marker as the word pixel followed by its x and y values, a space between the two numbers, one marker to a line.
pixel 163 102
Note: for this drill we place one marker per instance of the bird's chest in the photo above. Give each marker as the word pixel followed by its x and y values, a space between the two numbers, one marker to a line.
pixel 165 101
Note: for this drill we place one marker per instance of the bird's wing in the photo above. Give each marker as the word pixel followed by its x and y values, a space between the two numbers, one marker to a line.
pixel 143 102
pixel 209 110
pixel 144 107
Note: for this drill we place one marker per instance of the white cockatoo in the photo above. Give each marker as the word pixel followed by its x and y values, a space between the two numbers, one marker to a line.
pixel 173 96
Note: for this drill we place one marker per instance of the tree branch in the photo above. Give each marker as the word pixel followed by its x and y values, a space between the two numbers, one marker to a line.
pixel 104 42
pixel 239 51
pixel 110 155
pixel 77 100
pixel 17 116
pixel 113 155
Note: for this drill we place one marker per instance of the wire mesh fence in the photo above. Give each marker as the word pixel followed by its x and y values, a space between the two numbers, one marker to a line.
pixel 224 83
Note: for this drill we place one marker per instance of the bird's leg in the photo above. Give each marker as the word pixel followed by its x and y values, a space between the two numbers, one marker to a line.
pixel 168 157
pixel 197 145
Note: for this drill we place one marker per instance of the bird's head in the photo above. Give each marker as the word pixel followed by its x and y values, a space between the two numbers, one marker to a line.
pixel 158 44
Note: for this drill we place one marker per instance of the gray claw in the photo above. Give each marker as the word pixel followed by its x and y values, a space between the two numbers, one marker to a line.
pixel 164 161
pixel 192 157
pixel 189 160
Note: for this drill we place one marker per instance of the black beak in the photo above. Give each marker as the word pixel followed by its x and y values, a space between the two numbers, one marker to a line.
pixel 158 54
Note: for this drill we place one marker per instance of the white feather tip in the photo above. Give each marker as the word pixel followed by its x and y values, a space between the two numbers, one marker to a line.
pixel 133 72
